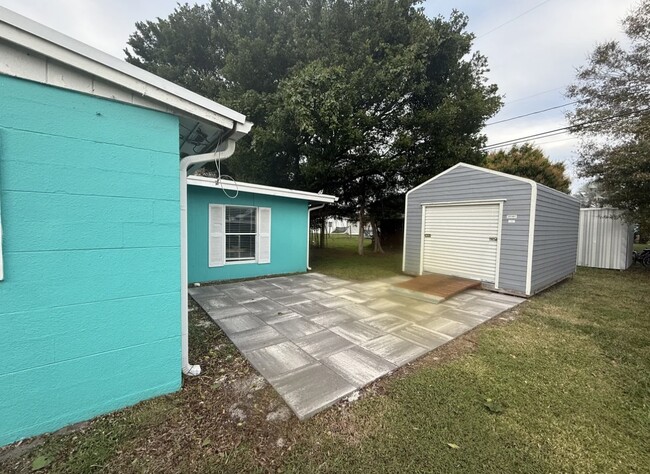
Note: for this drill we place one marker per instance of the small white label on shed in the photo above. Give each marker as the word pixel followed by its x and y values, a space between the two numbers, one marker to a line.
pixel 511 216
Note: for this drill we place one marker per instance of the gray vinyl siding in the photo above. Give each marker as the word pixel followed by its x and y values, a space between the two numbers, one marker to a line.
pixel 468 184
pixel 555 246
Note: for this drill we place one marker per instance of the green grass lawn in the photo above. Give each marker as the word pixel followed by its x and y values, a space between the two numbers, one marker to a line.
pixel 559 384
pixel 340 259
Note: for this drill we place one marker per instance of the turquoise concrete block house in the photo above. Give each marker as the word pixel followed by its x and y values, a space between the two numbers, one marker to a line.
pixel 243 230
pixel 93 278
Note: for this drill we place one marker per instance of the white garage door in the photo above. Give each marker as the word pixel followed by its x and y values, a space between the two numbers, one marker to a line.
pixel 461 240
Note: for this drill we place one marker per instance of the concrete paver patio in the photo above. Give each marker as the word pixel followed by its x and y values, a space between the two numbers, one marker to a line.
pixel 317 339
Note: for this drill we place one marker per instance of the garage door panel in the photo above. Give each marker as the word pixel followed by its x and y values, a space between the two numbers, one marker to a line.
pixel 459 240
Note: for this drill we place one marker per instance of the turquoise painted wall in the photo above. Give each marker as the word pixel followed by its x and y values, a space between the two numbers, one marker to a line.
pixel 288 235
pixel 90 304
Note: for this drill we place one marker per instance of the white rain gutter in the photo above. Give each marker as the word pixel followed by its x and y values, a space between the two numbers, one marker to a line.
pixel 308 223
pixel 193 162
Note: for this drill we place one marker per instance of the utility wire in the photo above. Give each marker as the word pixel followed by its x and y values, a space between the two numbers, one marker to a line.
pixel 560 131
pixel 533 113
pixel 532 95
pixel 513 19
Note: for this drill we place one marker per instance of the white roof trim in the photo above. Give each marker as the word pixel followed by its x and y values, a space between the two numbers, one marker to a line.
pixel 260 189
pixel 45 41
pixel 477 168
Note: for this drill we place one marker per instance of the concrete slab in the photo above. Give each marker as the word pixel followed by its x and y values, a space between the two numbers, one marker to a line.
pixel 311 389
pixel 421 336
pixel 322 344
pixel 395 349
pixel 220 313
pixel 278 359
pixel 296 328
pixel 257 338
pixel 356 332
pixel 359 366
pixel 359 312
pixel 333 302
pixel 275 317
pixel 331 318
pixel 339 291
pixel 293 299
pixel 262 305
pixel 386 322
pixel 382 304
pixel 317 338
pixel 357 298
pixel 484 309
pixel 309 309
pixel 446 326
pixel 239 323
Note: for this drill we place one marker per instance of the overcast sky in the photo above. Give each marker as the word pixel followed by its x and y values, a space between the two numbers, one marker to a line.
pixel 533 47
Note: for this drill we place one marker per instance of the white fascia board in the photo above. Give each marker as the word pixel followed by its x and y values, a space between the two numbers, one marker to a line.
pixel 260 189
pixel 47 42
pixel 477 168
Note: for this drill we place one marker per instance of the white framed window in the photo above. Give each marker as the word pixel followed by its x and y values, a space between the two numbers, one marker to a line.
pixel 239 234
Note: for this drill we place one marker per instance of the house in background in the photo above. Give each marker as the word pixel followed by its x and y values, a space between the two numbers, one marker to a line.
pixel 511 233
pixel 92 282
pixel 242 230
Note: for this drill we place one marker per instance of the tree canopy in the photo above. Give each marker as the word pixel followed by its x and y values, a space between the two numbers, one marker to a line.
pixel 362 99
pixel 529 161
pixel 612 117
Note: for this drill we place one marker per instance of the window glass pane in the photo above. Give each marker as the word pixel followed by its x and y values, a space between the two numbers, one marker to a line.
pixel 240 247
pixel 241 220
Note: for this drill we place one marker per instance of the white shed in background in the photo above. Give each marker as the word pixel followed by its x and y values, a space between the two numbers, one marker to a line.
pixel 606 240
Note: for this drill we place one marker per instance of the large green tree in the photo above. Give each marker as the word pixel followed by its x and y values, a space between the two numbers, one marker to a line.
pixel 529 161
pixel 612 117
pixel 363 99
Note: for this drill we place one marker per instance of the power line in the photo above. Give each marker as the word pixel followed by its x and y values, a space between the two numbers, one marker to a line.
pixel 532 95
pixel 532 113
pixel 560 131
pixel 513 19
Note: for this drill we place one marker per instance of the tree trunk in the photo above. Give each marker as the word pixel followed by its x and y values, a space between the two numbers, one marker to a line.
pixel 375 236
pixel 361 226
pixel 322 233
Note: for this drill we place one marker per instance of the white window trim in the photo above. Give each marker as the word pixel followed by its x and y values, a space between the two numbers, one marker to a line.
pixel 258 226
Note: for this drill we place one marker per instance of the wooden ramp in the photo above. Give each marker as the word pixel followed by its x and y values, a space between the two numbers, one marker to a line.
pixel 435 287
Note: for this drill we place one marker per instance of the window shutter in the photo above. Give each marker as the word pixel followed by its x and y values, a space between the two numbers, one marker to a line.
pixel 217 237
pixel 264 235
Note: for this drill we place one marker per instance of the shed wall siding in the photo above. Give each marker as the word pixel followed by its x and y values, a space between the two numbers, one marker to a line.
pixel 90 302
pixel 288 235
pixel 465 184
pixel 605 240
pixel 556 237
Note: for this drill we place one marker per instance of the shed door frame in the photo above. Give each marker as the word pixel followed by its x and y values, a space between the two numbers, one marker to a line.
pixel 498 202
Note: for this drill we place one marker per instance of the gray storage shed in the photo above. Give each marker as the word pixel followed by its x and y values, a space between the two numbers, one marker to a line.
pixel 513 234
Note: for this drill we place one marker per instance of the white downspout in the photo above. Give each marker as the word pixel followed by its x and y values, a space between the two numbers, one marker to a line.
pixel 225 150
pixel 308 223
